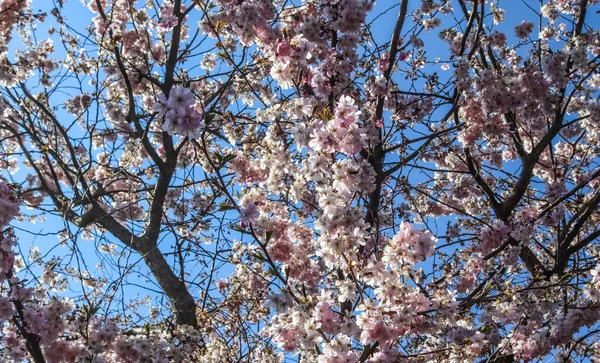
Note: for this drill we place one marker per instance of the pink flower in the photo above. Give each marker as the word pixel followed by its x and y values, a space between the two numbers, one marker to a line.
pixel 170 121
pixel 286 339
pixel 8 205
pixel 347 112
pixel 383 63
pixel 222 285
pixel 377 332
pixel 328 319
pixel 404 56
pixel 284 49
pixel 492 238
pixel 425 244
pixel 160 106
pixel 167 19
pixel 249 214
pixel 36 322
pixel 6 262
pixel 281 250
pixel 186 123
pixel 524 29
pixel 189 123
pixel 498 39
pixel 180 99
pixel 6 309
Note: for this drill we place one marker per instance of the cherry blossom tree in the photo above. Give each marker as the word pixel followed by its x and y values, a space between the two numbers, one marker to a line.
pixel 299 180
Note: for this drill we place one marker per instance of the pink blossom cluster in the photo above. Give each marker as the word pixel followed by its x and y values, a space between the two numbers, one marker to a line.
pixel 9 204
pixel 343 133
pixel 180 114
pixel 35 323
pixel 409 246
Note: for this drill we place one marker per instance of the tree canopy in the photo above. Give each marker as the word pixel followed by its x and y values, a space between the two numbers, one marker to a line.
pixel 299 180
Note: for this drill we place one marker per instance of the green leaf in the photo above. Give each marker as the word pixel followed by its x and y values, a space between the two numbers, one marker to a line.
pixel 225 207
pixel 259 257
pixel 229 158
pixel 214 181
pixel 239 229
pixel 209 117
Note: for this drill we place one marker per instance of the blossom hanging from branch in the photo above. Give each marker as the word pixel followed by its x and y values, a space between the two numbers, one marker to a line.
pixel 180 114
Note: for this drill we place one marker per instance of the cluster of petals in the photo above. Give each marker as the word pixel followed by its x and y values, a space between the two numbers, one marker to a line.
pixel 180 114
